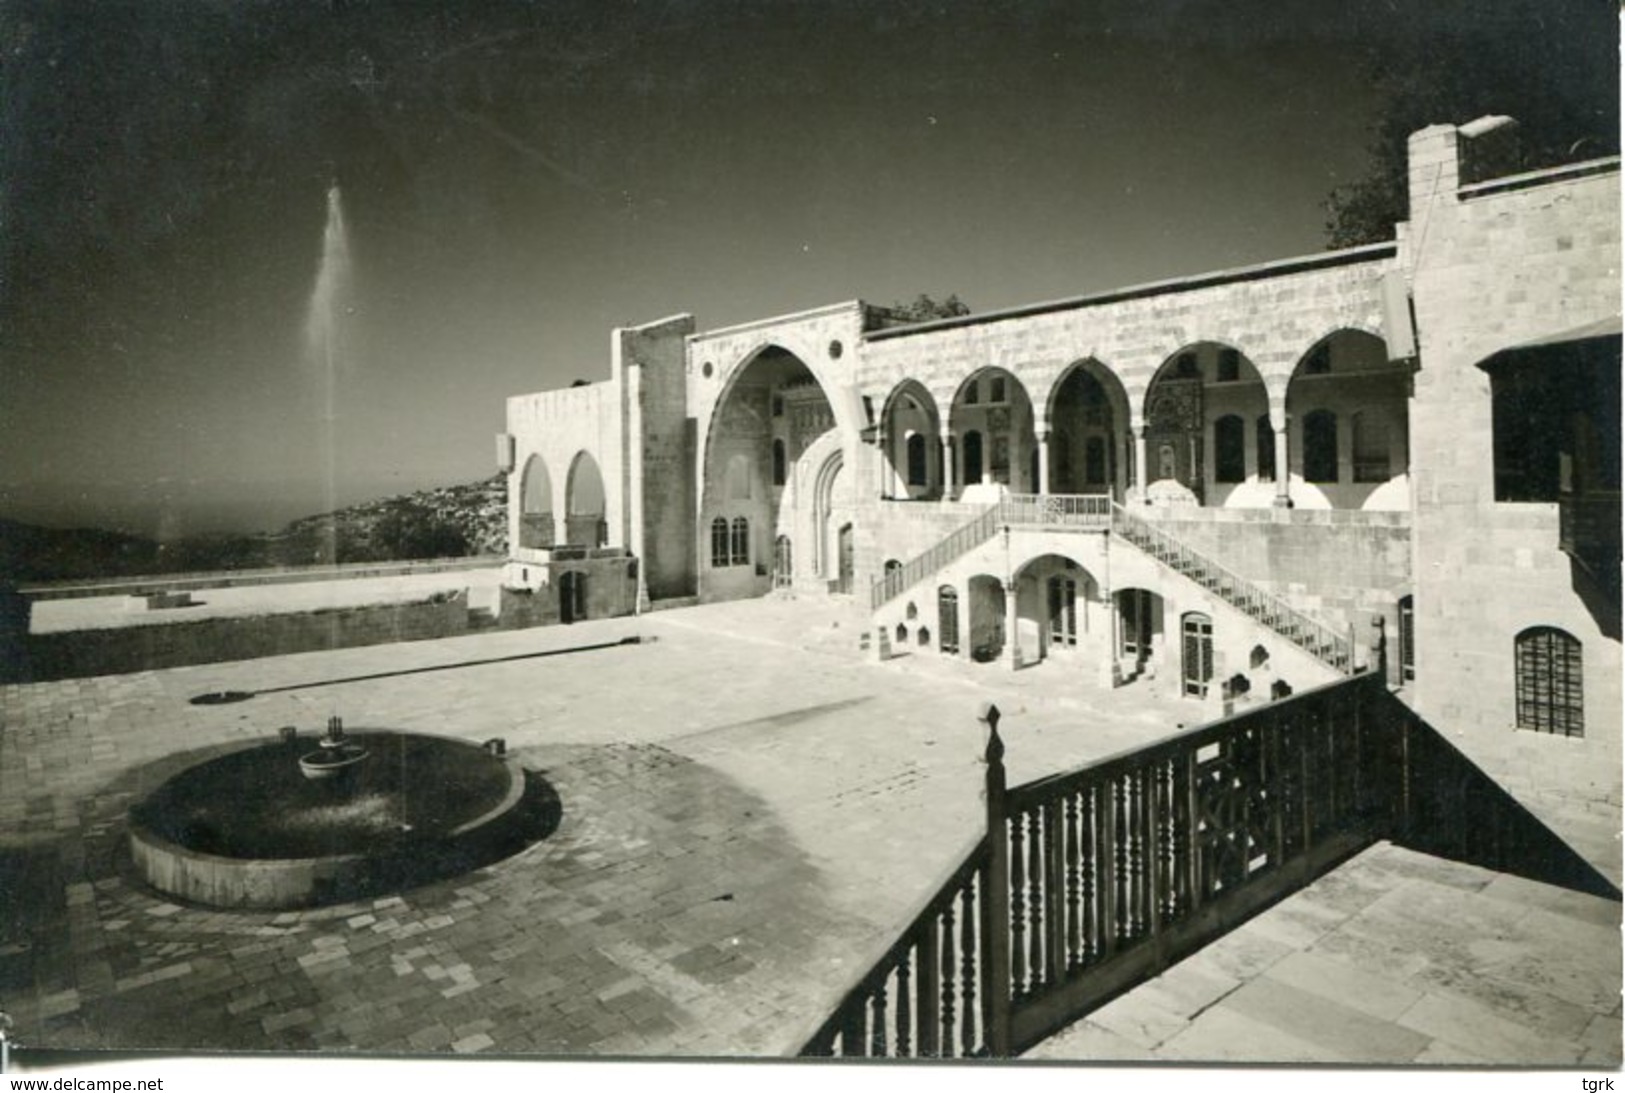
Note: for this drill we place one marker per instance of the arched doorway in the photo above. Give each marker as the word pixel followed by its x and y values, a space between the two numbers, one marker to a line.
pixel 764 450
pixel 1140 630
pixel 1057 608
pixel 1088 438
pixel 584 523
pixel 986 618
pixel 535 505
pixel 993 417
pixel 783 562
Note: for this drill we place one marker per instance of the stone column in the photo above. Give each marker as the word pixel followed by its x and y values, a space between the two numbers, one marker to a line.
pixel 947 466
pixel 1043 461
pixel 883 456
pixel 1142 471
pixel 1012 620
pixel 1283 469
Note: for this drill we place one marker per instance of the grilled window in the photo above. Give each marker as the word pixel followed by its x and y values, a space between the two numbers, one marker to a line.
pixel 1550 688
pixel 719 542
pixel 739 547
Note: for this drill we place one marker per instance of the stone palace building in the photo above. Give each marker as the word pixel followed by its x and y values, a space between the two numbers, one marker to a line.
pixel 1238 484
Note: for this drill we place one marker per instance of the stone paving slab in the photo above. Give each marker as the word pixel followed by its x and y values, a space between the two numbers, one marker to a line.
pixel 1427 962
pixel 750 809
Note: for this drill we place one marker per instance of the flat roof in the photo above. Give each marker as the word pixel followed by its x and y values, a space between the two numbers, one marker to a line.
pixel 1371 252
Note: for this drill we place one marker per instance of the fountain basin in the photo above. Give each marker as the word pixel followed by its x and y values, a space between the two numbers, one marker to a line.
pixel 252 830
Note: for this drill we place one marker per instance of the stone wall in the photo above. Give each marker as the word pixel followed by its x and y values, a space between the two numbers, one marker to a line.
pixel 560 426
pixel 75 653
pixel 612 591
pixel 1341 566
pixel 1495 267
pixel 660 488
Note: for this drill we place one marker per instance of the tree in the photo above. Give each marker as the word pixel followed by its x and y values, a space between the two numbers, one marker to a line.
pixel 1540 63
pixel 924 309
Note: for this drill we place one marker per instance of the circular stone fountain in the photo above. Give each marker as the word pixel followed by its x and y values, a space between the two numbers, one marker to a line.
pixel 290 824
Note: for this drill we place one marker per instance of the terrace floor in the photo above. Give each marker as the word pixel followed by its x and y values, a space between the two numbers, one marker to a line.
pixel 750 812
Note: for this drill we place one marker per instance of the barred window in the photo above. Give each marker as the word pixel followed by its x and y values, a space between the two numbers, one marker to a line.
pixel 1550 689
pixel 719 542
pixel 741 541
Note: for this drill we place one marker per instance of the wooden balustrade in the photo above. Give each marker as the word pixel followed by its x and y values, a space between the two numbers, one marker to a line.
pixel 923 997
pixel 1089 882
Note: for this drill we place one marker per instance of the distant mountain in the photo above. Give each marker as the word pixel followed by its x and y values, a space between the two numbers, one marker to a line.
pixel 448 522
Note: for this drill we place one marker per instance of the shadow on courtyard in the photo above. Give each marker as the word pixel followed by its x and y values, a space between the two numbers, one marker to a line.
pixel 1455 810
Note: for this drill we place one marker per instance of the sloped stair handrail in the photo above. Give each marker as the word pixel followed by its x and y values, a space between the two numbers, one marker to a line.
pixel 1306 632
pixel 960 541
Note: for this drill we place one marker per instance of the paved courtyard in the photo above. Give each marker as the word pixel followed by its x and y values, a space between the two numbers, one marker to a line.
pixel 750 810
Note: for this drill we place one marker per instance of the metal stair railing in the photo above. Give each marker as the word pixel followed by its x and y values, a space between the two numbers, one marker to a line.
pixel 1307 633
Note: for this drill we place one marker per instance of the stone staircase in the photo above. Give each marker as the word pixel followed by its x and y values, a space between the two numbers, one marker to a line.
pixel 1098 512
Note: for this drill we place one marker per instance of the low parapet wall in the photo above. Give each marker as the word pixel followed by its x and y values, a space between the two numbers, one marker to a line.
pixel 603 583
pixel 111 651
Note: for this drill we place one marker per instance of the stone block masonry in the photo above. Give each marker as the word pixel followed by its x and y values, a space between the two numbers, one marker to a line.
pixel 75 653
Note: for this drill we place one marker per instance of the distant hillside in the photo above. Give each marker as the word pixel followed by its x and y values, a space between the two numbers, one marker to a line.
pixel 449 522
pixel 29 553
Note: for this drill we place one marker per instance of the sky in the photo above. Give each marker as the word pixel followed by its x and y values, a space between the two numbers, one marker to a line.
pixel 516 179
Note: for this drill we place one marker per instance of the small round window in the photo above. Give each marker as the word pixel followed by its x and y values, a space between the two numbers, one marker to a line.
pixel 706 369
pixel 835 350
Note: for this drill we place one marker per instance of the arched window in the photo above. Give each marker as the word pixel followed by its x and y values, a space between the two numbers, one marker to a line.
pixel 1266 449
pixel 948 619
pixel 1370 448
pixel 1550 689
pixel 1320 446
pixel 719 542
pixel 917 473
pixel 1198 653
pixel 973 457
pixel 778 463
pixel 739 548
pixel 1229 449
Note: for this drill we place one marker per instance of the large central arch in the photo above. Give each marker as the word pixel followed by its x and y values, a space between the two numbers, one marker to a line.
pixel 771 433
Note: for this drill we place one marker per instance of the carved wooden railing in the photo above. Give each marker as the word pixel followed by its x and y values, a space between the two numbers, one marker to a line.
pixel 922 998
pixel 1093 881
pixel 1306 632
pixel 1087 511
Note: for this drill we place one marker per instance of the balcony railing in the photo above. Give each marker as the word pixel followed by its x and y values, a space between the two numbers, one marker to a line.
pixel 1090 882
